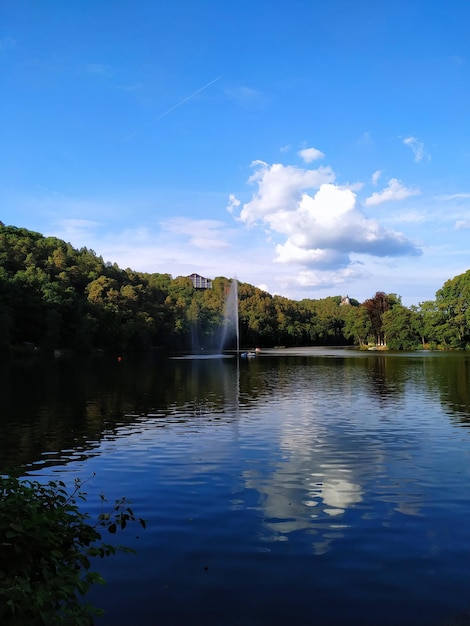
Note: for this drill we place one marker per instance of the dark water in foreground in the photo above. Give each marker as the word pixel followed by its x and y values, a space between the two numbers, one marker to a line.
pixel 310 487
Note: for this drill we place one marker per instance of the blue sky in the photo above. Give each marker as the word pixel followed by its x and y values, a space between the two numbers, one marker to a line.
pixel 310 148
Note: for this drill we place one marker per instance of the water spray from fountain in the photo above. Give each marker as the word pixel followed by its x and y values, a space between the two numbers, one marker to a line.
pixel 230 328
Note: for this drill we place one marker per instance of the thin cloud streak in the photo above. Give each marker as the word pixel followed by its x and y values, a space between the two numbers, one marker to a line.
pixel 417 147
pixel 176 106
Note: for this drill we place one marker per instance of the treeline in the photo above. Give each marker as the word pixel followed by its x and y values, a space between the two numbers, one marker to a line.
pixel 53 296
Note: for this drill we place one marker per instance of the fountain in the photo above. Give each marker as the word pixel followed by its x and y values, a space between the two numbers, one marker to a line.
pixel 230 326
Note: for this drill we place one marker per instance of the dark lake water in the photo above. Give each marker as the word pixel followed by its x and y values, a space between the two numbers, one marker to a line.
pixel 309 487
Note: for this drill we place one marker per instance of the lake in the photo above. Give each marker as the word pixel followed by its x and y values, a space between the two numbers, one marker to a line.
pixel 310 487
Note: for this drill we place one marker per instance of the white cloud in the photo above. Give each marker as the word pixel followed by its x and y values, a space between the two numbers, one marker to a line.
pixel 264 287
pixel 394 191
pixel 462 225
pixel 246 97
pixel 325 279
pixel 310 154
pixel 417 147
pixel 290 253
pixel 203 234
pixel 375 177
pixel 279 189
pixel 331 221
pixel 233 203
pixel 317 233
pixel 77 230
pixel 320 230
pixel 353 186
pixel 178 246
pixel 454 196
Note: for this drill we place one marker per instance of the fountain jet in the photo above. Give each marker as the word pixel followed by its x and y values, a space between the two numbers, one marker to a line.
pixel 230 328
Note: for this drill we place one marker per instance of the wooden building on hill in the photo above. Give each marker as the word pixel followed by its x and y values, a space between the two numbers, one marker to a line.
pixel 199 282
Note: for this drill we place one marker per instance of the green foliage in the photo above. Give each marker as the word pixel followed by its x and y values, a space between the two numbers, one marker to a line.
pixel 453 304
pixel 400 327
pixel 46 547
pixel 53 296
pixel 358 324
pixel 376 308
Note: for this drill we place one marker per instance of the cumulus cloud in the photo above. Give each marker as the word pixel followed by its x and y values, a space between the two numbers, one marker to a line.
pixel 417 147
pixel 462 225
pixel 310 154
pixel 324 279
pixel 289 252
pixel 394 191
pixel 280 188
pixel 321 223
pixel 330 226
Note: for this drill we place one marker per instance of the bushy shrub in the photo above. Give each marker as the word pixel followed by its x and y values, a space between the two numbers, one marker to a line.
pixel 46 547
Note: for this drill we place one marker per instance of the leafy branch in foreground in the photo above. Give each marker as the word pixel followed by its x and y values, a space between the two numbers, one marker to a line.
pixel 46 544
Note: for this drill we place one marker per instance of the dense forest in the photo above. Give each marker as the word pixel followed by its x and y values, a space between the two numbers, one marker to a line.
pixel 53 296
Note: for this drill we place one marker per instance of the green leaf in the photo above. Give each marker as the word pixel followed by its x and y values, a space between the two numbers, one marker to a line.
pixel 48 540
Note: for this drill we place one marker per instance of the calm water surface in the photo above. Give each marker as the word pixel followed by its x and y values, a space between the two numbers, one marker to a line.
pixel 309 487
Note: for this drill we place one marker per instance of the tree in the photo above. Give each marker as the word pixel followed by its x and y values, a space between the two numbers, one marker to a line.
pixel 330 319
pixel 376 307
pixel 424 321
pixel 55 296
pixel 47 545
pixel 400 328
pixel 357 324
pixel 453 302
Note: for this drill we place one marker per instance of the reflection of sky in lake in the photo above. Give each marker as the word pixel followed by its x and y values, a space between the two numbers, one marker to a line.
pixel 309 482
pixel 342 479
pixel 314 444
